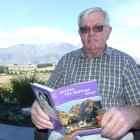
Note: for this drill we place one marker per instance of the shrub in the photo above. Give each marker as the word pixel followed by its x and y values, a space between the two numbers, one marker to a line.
pixel 6 95
pixel 22 90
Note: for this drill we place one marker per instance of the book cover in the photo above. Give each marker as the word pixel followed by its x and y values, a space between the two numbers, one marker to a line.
pixel 77 108
pixel 42 95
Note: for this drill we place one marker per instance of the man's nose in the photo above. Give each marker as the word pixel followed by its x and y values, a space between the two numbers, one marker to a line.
pixel 91 31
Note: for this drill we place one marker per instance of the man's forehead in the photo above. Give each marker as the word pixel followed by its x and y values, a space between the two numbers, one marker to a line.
pixel 94 15
pixel 93 18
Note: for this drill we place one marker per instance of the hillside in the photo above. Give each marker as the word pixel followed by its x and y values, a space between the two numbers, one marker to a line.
pixel 34 54
pixel 23 54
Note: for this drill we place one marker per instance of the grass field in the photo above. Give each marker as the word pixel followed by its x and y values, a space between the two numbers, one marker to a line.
pixel 5 79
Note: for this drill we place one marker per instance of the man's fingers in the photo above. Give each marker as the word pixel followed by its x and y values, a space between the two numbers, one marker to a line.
pixel 40 118
pixel 116 122
pixel 111 129
pixel 41 113
pixel 119 133
pixel 107 118
pixel 41 125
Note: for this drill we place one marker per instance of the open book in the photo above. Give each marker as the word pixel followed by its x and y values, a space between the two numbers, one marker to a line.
pixel 75 109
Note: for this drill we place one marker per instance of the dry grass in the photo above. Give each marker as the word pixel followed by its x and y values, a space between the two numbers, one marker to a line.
pixel 43 77
pixel 5 79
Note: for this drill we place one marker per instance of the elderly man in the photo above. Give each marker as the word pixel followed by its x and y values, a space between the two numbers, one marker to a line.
pixel 116 72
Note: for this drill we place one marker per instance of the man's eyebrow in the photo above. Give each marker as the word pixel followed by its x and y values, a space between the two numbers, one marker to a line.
pixel 97 24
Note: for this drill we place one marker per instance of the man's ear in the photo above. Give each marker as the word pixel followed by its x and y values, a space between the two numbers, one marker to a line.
pixel 79 32
pixel 109 29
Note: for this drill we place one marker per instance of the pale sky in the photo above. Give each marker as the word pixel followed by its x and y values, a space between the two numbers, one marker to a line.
pixel 50 21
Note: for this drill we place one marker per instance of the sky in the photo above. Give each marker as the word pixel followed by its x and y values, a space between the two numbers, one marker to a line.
pixel 51 21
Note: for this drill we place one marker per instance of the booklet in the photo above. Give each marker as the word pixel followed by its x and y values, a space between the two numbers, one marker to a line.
pixel 75 109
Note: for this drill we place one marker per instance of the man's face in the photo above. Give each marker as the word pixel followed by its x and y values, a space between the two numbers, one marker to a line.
pixel 94 40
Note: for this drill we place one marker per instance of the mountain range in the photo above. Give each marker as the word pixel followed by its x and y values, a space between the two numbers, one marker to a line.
pixel 34 54
pixel 24 54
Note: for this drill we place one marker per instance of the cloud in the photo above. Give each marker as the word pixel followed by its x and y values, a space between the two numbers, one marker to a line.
pixel 36 35
pixel 121 40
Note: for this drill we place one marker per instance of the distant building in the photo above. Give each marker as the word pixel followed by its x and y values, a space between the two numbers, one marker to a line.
pixel 16 68
pixel 45 65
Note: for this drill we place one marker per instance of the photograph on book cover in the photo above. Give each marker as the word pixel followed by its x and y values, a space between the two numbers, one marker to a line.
pixel 45 103
pixel 82 115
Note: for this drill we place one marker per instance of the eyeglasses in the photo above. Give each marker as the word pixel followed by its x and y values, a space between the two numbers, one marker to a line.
pixel 98 28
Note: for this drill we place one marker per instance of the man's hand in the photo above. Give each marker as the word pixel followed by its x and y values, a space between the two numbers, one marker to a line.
pixel 117 121
pixel 40 118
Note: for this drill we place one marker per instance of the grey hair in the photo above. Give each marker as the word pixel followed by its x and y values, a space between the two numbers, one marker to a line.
pixel 88 11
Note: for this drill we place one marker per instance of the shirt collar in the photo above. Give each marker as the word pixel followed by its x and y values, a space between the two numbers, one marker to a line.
pixel 108 51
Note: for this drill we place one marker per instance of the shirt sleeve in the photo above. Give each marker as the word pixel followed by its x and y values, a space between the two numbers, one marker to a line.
pixel 131 74
pixel 56 79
